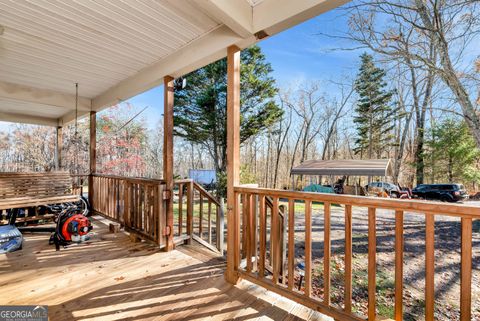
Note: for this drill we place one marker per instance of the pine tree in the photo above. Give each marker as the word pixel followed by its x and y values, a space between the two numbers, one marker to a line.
pixel 374 117
pixel 200 108
pixel 452 153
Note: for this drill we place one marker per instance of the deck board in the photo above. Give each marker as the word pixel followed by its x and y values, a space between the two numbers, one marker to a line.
pixel 111 278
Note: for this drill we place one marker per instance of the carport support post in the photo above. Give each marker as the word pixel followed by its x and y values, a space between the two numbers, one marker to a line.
pixel 93 156
pixel 58 148
pixel 168 95
pixel 233 162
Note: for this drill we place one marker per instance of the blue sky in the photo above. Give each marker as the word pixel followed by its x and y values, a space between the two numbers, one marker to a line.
pixel 302 53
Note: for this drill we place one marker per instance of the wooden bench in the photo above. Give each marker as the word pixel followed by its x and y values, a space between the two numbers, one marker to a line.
pixel 23 190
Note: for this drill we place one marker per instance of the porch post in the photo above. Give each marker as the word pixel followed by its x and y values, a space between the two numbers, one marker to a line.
pixel 168 156
pixel 93 156
pixel 58 148
pixel 233 161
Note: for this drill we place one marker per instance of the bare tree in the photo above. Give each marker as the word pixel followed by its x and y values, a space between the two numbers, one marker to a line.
pixel 336 113
pixel 282 133
pixel 427 34
pixel 403 129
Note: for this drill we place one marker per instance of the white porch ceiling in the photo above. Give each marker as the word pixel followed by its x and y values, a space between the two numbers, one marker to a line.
pixel 95 43
pixel 116 49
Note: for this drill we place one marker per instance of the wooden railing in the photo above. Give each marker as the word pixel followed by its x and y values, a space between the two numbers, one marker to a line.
pixel 134 202
pixel 258 255
pixel 199 216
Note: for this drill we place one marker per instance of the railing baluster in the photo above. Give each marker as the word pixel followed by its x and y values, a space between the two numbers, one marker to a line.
pixel 126 209
pixel 263 237
pixel 141 204
pixel 156 213
pixel 137 210
pixel 271 237
pixel 283 242
pixel 190 205
pixel 244 223
pixel 146 211
pixel 372 249
pixel 348 259
pixel 291 243
pixel 108 200
pixel 209 226
pixel 248 230
pixel 180 208
pixel 275 239
pixel 466 271
pixel 200 227
pixel 254 238
pixel 399 265
pixel 429 267
pixel 326 253
pixel 236 231
pixel 220 227
pixel 308 248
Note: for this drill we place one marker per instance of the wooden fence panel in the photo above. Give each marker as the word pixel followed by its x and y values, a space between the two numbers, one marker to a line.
pixel 135 203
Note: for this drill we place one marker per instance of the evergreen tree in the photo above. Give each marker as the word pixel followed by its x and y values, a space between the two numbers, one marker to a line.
pixel 374 117
pixel 200 108
pixel 452 153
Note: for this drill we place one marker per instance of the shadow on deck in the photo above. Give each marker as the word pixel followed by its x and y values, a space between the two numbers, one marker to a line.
pixel 111 278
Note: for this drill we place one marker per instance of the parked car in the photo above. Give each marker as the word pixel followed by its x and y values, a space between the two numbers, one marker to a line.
pixel 390 188
pixel 441 192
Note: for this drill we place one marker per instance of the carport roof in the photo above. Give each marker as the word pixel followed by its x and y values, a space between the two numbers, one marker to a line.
pixel 370 167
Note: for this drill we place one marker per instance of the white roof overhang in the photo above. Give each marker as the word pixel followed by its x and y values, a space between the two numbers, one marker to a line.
pixel 118 49
pixel 348 167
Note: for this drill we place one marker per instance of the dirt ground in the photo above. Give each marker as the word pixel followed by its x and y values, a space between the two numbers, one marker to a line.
pixel 447 261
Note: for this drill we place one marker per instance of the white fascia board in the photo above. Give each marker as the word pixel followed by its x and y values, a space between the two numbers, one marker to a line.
pixel 28 119
pixel 22 93
pixel 274 16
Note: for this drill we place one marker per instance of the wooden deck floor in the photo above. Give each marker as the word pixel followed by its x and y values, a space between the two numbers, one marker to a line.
pixel 111 278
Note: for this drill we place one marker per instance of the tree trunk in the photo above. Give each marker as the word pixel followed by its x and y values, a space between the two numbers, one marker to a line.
pixel 450 170
pixel 401 149
pixel 418 157
pixel 370 136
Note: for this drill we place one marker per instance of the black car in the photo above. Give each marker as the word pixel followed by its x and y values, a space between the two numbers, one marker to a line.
pixel 441 192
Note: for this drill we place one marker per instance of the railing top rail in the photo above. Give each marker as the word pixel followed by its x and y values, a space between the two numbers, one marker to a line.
pixel 19 174
pixel 132 179
pixel 199 188
pixel 206 193
pixel 460 210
